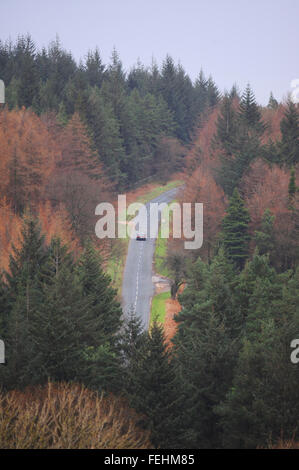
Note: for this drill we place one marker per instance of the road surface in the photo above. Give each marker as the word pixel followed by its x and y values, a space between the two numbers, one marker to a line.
pixel 138 288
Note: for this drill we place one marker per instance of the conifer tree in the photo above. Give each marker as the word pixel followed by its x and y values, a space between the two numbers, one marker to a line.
pixel 22 296
pixel 226 126
pixel 157 392
pixel 104 310
pixel 292 188
pixel 273 103
pixel 264 237
pixel 249 112
pixel 235 230
pixel 262 404
pixel 206 344
pixel 290 135
pixel 60 324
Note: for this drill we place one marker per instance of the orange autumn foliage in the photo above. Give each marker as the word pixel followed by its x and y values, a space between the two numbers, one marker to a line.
pixel 272 119
pixel 265 187
pixel 27 157
pixel 10 229
pixel 203 188
pixel 35 153
pixel 201 152
pixel 57 224
pixel 76 149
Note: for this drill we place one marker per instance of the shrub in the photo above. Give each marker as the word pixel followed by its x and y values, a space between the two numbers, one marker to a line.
pixel 67 416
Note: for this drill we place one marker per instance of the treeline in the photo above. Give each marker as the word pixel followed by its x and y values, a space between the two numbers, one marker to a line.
pixel 137 120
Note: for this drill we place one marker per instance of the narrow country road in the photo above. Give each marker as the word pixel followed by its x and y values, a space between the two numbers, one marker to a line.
pixel 138 288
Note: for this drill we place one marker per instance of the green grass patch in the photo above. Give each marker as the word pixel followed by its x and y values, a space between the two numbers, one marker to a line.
pixel 160 256
pixel 158 310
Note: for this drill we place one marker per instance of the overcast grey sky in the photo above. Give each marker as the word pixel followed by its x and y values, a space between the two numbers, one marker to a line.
pixel 255 41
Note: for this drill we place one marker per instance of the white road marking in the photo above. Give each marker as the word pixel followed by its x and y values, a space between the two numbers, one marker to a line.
pixel 137 276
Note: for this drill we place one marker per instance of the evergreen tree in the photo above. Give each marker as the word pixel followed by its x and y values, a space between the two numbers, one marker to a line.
pixel 226 126
pixel 206 344
pixel 264 238
pixel 262 405
pixel 290 135
pixel 273 103
pixel 200 93
pixel 94 68
pixel 235 230
pixel 28 74
pixel 60 324
pixel 249 112
pixel 213 94
pixel 22 296
pixel 292 184
pixel 157 392
pixel 104 311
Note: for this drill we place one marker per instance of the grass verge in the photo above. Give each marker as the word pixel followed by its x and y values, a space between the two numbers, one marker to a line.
pixel 158 310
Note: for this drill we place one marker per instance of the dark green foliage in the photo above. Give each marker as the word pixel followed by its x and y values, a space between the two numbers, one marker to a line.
pixel 235 230
pixel 153 387
pixel 292 185
pixel 290 135
pixel 60 318
pixel 263 401
pixel 264 237
pixel 273 103
pixel 226 126
pixel 249 113
pixel 104 313
pixel 238 139
pixel 206 345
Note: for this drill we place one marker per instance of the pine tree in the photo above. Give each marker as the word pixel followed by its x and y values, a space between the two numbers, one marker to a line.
pixel 262 404
pixel 60 324
pixel 22 297
pixel 200 93
pixel 104 311
pixel 292 188
pixel 235 230
pixel 290 135
pixel 213 94
pixel 206 345
pixel 94 68
pixel 157 391
pixel 273 103
pixel 249 112
pixel 226 126
pixel 28 87
pixel 264 238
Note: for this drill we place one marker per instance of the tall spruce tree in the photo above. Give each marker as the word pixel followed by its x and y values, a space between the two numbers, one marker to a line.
pixel 249 113
pixel 264 237
pixel 273 103
pixel 290 135
pixel 104 310
pixel 206 344
pixel 22 297
pixel 60 326
pixel 157 393
pixel 235 230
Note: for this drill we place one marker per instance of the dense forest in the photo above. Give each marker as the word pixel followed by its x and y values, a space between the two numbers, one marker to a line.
pixel 133 119
pixel 73 135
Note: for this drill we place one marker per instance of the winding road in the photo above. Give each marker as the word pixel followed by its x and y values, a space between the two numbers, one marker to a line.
pixel 137 287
